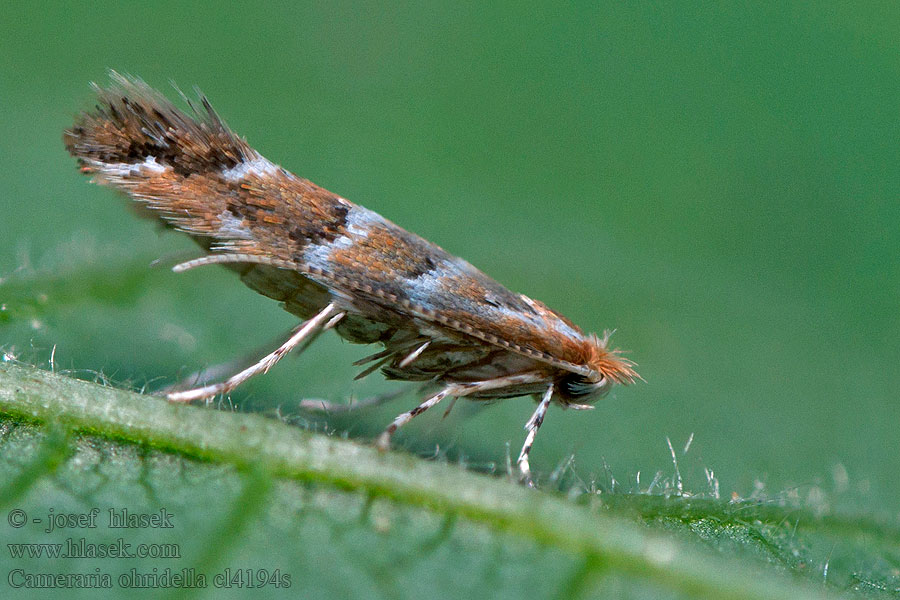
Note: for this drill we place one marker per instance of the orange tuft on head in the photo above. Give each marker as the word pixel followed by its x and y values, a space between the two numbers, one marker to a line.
pixel 609 363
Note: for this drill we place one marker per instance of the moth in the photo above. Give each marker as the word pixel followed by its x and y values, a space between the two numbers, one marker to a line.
pixel 337 265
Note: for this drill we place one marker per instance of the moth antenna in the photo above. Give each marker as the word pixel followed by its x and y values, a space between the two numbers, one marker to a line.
pixel 223 259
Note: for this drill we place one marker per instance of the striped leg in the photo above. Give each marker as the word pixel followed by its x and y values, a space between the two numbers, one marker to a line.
pixel 384 440
pixel 311 327
pixel 458 390
pixel 532 426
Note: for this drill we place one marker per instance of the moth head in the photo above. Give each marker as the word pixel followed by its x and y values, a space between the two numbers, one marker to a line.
pixel 579 391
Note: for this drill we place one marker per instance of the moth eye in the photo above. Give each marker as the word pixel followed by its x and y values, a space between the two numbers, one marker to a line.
pixel 576 386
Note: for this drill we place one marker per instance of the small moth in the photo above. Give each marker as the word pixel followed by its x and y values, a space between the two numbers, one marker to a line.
pixel 337 265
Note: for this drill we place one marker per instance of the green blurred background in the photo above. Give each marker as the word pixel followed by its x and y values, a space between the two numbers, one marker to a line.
pixel 720 185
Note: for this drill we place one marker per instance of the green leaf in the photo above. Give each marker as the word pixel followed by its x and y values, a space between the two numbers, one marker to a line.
pixel 333 517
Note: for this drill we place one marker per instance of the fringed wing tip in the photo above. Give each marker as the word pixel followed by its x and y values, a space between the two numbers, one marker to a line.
pixel 131 122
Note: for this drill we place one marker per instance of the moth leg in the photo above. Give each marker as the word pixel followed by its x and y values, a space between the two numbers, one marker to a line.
pixel 384 440
pixel 532 426
pixel 449 408
pixel 317 404
pixel 219 371
pixel 458 390
pixel 311 327
pixel 414 354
